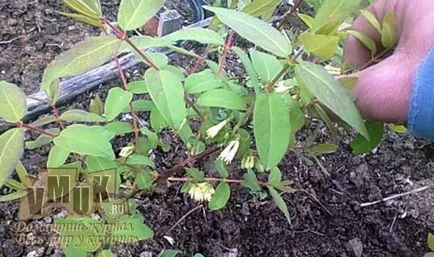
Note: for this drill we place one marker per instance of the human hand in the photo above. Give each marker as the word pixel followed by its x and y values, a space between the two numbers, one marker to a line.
pixel 383 91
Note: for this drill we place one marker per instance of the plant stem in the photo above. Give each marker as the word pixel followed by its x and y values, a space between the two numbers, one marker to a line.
pixel 133 113
pixel 172 171
pixel 195 108
pixel 122 35
pixel 286 16
pixel 245 118
pixel 278 76
pixel 199 61
pixel 374 59
pixel 20 124
pixel 56 114
pixel 231 181
pixel 225 52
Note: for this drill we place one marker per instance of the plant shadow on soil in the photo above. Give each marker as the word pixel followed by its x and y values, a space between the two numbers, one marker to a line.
pixel 327 219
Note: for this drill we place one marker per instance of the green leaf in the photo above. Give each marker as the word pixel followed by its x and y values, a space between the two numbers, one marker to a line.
pixel 117 100
pixel 96 106
pixel 365 40
pixel 95 164
pixel 90 8
pixel 397 128
pixel 86 140
pixel 44 120
pixel 330 93
pixel 82 57
pixel 106 253
pixel 266 66
pixel 158 123
pixel 308 20
pixel 223 98
pixel 135 13
pixel 145 180
pixel 372 19
pixel 251 182
pixel 334 10
pixel 278 200
pixel 139 230
pixel 57 157
pixel 144 42
pixel 82 18
pixel 389 35
pixel 74 252
pixel 253 76
pixel 11 149
pixel 167 93
pixel 198 255
pixel 119 128
pixel 170 253
pixel 324 148
pixel 275 176
pixel 220 197
pixel 140 160
pixel 81 116
pixel 272 128
pixel 23 174
pixel 140 106
pixel 261 8
pixel 430 241
pixel 13 196
pixel 361 145
pixel 221 168
pixel 322 46
pixel 196 174
pixel 202 82
pixel 42 139
pixel 138 87
pixel 254 30
pixel 13 105
pixel 14 185
pixel 201 35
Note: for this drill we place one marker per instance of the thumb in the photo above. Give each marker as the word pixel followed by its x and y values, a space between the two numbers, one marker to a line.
pixel 383 91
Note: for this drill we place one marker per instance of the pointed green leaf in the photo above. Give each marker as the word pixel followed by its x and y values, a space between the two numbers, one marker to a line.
pixel 86 140
pixel 135 13
pixel 145 180
pixel 74 252
pixel 170 253
pixel 361 145
pixel 261 8
pixel 431 241
pixel 13 196
pixel 83 56
pixel 278 200
pixel 322 46
pixel 106 253
pixel 42 139
pixel 330 93
pixel 253 76
pixel 220 197
pixel 139 230
pixel 223 98
pixel 324 148
pixel 158 123
pixel 308 20
pixel 13 105
pixel 90 8
pixel 57 157
pixel 82 18
pixel 117 100
pixel 334 10
pixel 254 30
pixel 138 87
pixel 221 168
pixel 275 176
pixel 11 149
pixel 81 116
pixel 140 160
pixel 119 128
pixel 389 35
pixel 14 185
pixel 96 106
pixel 201 35
pixel 372 19
pixel 272 128
pixel 140 106
pixel 366 41
pixel 267 66
pixel 167 93
pixel 95 164
pixel 202 82
pixel 251 182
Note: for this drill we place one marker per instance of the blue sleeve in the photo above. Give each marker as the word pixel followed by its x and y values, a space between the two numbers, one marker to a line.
pixel 421 113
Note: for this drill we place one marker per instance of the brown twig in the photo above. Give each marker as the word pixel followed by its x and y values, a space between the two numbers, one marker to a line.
pixel 133 113
pixel 200 61
pixel 227 46
pixel 374 59
pixel 20 124
pixel 232 181
pixel 184 217
pixel 286 16
pixel 56 115
pixel 122 35
pixel 195 108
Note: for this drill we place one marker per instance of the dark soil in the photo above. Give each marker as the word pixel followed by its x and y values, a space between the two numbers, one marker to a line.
pixel 327 219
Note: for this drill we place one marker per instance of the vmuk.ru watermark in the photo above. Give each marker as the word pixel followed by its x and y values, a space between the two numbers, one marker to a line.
pixel 63 188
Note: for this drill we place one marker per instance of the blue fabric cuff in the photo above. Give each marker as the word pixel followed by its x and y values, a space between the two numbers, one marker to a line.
pixel 421 113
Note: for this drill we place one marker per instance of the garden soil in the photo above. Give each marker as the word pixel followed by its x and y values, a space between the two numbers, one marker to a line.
pixel 327 219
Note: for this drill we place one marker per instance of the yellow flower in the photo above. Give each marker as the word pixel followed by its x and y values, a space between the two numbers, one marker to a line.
pixel 214 130
pixel 126 151
pixel 248 162
pixel 201 192
pixel 229 152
